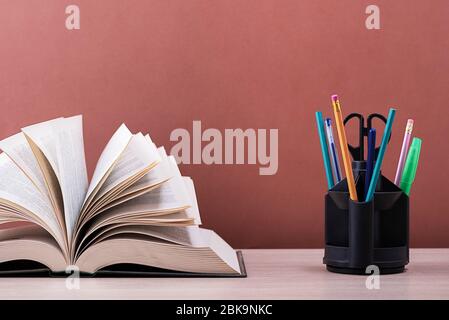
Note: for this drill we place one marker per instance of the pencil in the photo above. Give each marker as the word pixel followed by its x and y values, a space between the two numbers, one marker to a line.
pixel 380 156
pixel 324 149
pixel 344 148
pixel 404 150
pixel 371 158
pixel 333 150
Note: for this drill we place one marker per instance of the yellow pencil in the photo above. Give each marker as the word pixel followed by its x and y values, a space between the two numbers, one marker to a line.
pixel 344 147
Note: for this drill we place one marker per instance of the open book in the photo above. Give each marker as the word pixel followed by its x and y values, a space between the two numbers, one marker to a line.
pixel 137 209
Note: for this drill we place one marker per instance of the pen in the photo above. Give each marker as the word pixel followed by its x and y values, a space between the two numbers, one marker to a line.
pixel 404 150
pixel 380 157
pixel 324 149
pixel 411 164
pixel 344 148
pixel 371 158
pixel 333 150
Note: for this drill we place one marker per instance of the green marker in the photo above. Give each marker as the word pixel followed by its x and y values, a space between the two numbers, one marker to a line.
pixel 409 173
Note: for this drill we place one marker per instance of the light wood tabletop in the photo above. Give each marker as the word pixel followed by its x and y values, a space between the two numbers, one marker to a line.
pixel 272 274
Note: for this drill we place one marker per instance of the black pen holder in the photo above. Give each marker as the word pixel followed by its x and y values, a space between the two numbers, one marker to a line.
pixel 360 234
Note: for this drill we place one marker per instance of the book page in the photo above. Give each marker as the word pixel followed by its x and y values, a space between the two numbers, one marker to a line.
pixel 125 196
pixel 193 211
pixel 156 253
pixel 108 158
pixel 72 168
pixel 187 236
pixel 42 135
pixel 170 196
pixel 138 156
pixel 51 183
pixel 179 235
pixel 47 165
pixel 19 193
pixel 18 149
pixel 153 179
pixel 31 242
pixel 100 203
pixel 168 217
pixel 159 173
pixel 106 222
pixel 10 215
pixel 61 142
pixel 221 248
pixel 191 236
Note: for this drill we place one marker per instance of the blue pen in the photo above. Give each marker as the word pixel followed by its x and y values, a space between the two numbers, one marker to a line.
pixel 324 151
pixel 380 156
pixel 371 158
pixel 333 150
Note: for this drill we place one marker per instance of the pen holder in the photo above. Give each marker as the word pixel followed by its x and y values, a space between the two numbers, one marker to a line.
pixel 360 234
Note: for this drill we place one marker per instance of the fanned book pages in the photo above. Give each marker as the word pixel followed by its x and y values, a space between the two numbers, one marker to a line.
pixel 137 215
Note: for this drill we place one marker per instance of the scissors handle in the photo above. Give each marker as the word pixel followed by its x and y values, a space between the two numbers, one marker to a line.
pixel 358 152
pixel 369 126
pixel 373 116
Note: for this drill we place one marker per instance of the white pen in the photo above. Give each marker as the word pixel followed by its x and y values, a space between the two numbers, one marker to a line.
pixel 333 150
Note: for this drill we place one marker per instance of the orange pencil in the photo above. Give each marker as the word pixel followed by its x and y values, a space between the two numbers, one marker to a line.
pixel 344 147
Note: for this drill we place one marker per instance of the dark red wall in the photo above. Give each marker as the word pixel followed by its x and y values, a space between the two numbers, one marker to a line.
pixel 158 65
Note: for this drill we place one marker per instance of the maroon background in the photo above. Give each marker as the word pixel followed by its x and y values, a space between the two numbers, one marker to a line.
pixel 158 65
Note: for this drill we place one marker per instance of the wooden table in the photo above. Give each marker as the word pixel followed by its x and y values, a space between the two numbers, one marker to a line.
pixel 272 274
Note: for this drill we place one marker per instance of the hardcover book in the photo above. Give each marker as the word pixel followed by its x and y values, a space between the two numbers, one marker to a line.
pixel 137 216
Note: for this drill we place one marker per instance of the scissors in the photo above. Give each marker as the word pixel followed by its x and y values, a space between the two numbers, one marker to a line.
pixel 358 152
